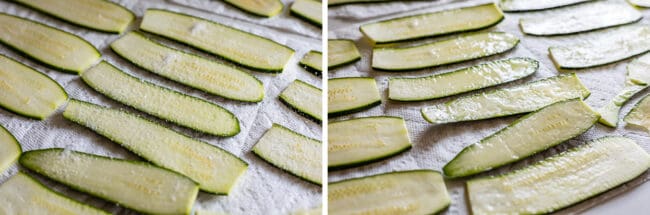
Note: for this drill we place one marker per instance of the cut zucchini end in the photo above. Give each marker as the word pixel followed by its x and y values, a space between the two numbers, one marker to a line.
pixel 354 110
pixel 11 149
pixel 609 115
pixel 368 161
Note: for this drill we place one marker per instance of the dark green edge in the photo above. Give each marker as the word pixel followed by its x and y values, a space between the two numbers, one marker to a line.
pixel 636 106
pixel 305 16
pixel 346 62
pixel 255 13
pixel 39 60
pixel 189 54
pixel 448 173
pixel 20 148
pixel 21 113
pixel 582 31
pixel 540 9
pixel 364 2
pixel 24 162
pixel 356 108
pixel 638 5
pixel 595 65
pixel 107 136
pixel 309 67
pixel 295 107
pixel 275 125
pixel 534 67
pixel 236 130
pixel 269 70
pixel 437 34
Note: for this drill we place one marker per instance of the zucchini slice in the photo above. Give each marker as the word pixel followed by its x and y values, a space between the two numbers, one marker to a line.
pixel 267 8
pixel 309 10
pixel 304 98
pixel 507 101
pixel 463 48
pixel 640 114
pixel 405 192
pixel 28 92
pixel 461 81
pixel 215 169
pixel 352 94
pixel 636 80
pixel 238 46
pixel 161 102
pixel 10 149
pixel 22 194
pixel 640 3
pixel 293 152
pixel 191 70
pixel 364 140
pixel 610 47
pixel 47 45
pixel 528 135
pixel 341 2
pixel 433 24
pixel 527 5
pixel 98 15
pixel 313 61
pixel 341 52
pixel 132 184
pixel 562 180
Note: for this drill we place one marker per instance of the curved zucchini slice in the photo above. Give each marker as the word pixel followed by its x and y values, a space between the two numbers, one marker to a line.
pixel 364 140
pixel 10 149
pixel 313 61
pixel 507 101
pixel 28 92
pixel 610 47
pixel 433 24
pixel 304 98
pixel 640 3
pixel 341 52
pixel 192 70
pixel 238 46
pixel 405 192
pixel 215 169
pixel 132 184
pixel 461 81
pixel 528 135
pixel 526 5
pixel 636 80
pixel 640 114
pixel 293 152
pixel 562 180
pixel 98 15
pixel 349 95
pixel 463 48
pixel 267 8
pixel 47 45
pixel 309 10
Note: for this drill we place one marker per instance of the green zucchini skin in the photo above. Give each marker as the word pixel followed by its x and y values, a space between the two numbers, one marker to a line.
pixel 284 100
pixel 640 110
pixel 305 16
pixel 251 12
pixel 314 69
pixel 538 9
pixel 6 161
pixel 640 3
pixel 347 61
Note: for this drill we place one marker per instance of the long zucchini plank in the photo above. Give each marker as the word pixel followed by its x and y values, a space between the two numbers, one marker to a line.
pixel 527 5
pixel 101 15
pixel 341 52
pixel 28 92
pixel 461 81
pixel 364 140
pixel 215 169
pixel 640 3
pixel 313 61
pixel 562 180
pixel 640 114
pixel 405 192
pixel 293 152
pixel 309 10
pixel 132 184
pixel 433 24
pixel 192 70
pixel 11 149
pixel 47 45
pixel 463 48
pixel 636 79
pixel 609 47
pixel 161 102
pixel 238 46
pixel 528 135
pixel 352 94
pixel 507 101
pixel 304 98
pixel 267 8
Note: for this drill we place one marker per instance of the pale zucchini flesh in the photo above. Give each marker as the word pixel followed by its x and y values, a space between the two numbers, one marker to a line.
pixel 527 5
pixel 562 180
pixel 636 80
pixel 267 8
pixel 341 2
pixel 341 52
pixel 640 3
pixel 349 95
pixel 11 149
pixel 304 98
pixel 312 211
pixel 313 60
pixel 309 10
pixel 640 115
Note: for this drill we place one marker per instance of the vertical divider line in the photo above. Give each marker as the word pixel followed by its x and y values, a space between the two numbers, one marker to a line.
pixel 325 75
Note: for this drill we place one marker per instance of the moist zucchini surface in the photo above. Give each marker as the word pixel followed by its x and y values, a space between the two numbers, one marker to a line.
pixel 352 94
pixel 309 10
pixel 313 60
pixel 640 114
pixel 267 8
pixel 10 149
pixel 526 5
pixel 636 79
pixel 304 98
pixel 341 52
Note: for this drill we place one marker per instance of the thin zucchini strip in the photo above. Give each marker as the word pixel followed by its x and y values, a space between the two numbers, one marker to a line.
pixel 191 70
pixel 640 3
pixel 507 101
pixel 267 8
pixel 313 61
pixel 636 80
pixel 309 10
pixel 28 92
pixel 215 169
pixel 352 94
pixel 433 24
pixel 238 46
pixel 304 98
pixel 293 152
pixel 47 45
pixel 461 81
pixel 405 192
pixel 136 185
pixel 364 140
pixel 161 102
pixel 10 149
pixel 98 15
pixel 341 52
pixel 562 180
pixel 527 5
pixel 463 48
pixel 640 115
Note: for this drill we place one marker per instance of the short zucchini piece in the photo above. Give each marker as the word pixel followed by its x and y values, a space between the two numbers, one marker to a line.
pixel 10 149
pixel 309 10
pixel 405 192
pixel 364 140
pixel 507 101
pixel 47 45
pixel 238 46
pixel 527 5
pixel 636 80
pixel 640 3
pixel 341 52
pixel 28 92
pixel 304 98
pixel 267 8
pixel 215 169
pixel 640 115
pixel 293 152
pixel 562 180
pixel 313 61
pixel 349 95
pixel 463 48
pixel 433 24
pixel 136 185
pixel 461 81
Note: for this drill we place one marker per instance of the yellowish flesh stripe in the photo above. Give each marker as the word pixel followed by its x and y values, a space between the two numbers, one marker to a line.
pixel 314 60
pixel 640 115
pixel 527 5
pixel 345 94
pixel 10 149
pixel 341 52
pixel 305 98
pixel 309 9
pixel 267 8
